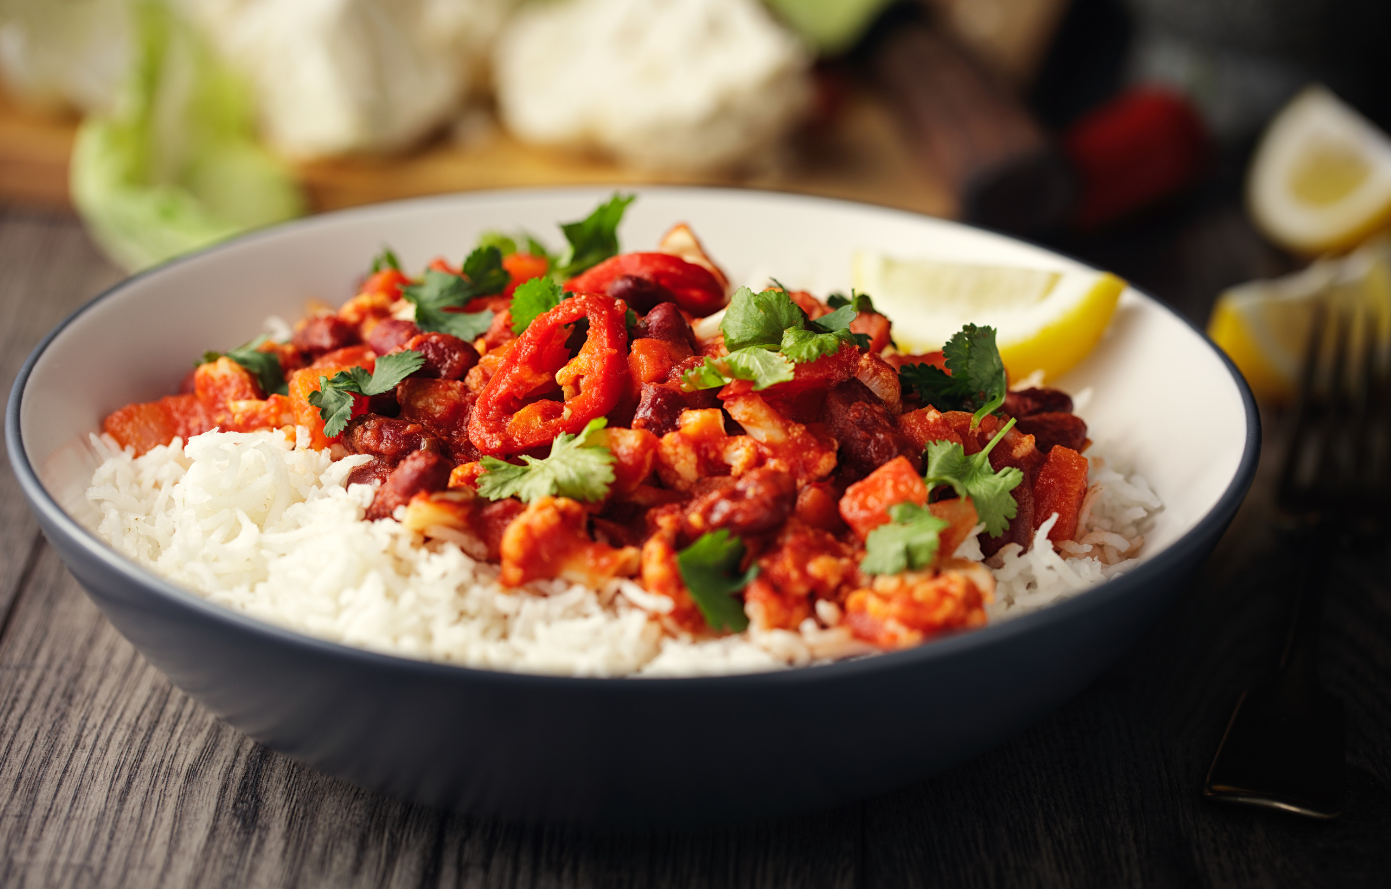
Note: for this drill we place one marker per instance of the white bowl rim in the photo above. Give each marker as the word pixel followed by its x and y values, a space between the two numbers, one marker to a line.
pixel 993 634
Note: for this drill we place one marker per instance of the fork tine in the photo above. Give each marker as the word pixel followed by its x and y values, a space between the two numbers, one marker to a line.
pixel 1301 459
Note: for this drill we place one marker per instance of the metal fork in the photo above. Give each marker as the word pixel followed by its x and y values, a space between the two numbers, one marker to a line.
pixel 1283 747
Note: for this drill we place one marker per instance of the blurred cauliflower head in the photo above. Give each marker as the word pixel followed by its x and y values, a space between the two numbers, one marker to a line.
pixel 337 76
pixel 667 84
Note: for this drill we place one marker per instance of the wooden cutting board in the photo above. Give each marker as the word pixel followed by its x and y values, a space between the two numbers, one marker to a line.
pixel 859 156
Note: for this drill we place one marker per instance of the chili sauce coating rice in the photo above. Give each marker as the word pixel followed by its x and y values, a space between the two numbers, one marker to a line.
pixel 267 526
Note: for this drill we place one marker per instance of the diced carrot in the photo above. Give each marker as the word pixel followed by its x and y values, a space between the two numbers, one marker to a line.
pixel 349 356
pixel 523 267
pixel 960 516
pixel 866 503
pixel 302 384
pixel 218 383
pixel 650 360
pixel 1060 486
pixel 925 425
pixel 465 475
pixel 141 426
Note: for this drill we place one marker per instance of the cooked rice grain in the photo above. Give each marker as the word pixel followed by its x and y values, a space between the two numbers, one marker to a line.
pixel 266 526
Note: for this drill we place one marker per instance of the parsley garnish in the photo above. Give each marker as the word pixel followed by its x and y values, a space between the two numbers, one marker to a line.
pixel 385 260
pixel 710 569
pixel 977 378
pixel 483 275
pixel 594 238
pixel 264 366
pixel 907 543
pixel 576 468
pixel 973 477
pixel 335 396
pixel 533 299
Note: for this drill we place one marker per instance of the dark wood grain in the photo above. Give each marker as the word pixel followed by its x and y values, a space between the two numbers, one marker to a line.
pixel 109 776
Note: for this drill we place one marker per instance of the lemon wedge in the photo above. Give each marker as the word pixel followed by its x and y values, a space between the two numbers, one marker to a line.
pixel 1321 177
pixel 1263 326
pixel 1045 320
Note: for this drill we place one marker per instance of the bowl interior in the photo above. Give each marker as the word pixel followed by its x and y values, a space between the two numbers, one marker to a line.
pixel 1162 401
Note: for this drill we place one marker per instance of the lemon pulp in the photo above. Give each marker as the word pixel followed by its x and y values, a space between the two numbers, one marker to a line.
pixel 1321 177
pixel 1045 320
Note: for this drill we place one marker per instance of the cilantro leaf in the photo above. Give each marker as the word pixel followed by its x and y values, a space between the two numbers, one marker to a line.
pixel 761 366
pixel 838 322
pixel 977 378
pixel 439 291
pixel 385 260
pixel 391 369
pixel 808 345
pixel 710 569
pixel 946 463
pixel 504 244
pixel 264 366
pixel 335 405
pixel 759 319
pixel 335 396
pixel 533 299
pixel 579 467
pixel 860 302
pixel 484 271
pixel 594 238
pixel 907 543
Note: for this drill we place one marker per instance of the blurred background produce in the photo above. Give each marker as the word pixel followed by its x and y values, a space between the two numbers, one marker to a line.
pixel 1196 147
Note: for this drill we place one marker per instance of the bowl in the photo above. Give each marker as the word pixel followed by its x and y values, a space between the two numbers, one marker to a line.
pixel 618 752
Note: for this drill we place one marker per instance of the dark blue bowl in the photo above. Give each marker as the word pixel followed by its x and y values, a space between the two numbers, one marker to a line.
pixel 600 751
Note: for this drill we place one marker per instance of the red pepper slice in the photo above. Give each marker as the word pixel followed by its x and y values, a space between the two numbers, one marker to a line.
pixel 692 287
pixel 504 423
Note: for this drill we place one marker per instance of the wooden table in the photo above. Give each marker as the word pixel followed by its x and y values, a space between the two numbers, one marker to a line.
pixel 109 776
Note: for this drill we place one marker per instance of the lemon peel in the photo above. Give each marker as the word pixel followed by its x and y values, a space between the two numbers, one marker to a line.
pixel 1046 320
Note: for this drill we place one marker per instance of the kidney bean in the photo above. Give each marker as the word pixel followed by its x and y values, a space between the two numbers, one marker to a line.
pixel 640 294
pixel 422 471
pixel 391 334
pixel 324 333
pixel 1054 428
pixel 1028 402
pixel 446 356
pixel 665 322
pixel 866 433
pixel 392 439
pixel 755 503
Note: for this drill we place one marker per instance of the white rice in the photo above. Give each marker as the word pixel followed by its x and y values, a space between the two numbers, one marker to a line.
pixel 267 526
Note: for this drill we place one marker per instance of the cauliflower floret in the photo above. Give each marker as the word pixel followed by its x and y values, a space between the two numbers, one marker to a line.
pixel 674 84
pixel 334 76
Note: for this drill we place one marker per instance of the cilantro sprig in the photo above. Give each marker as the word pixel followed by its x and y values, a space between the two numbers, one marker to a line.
pixel 483 275
pixel 533 299
pixel 710 569
pixel 977 379
pixel 762 367
pixel 335 396
pixel 907 543
pixel 579 467
pixel 264 366
pixel 592 239
pixel 385 260
pixel 946 463
pixel 767 334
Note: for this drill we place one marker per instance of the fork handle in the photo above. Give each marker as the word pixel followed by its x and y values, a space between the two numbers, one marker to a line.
pixel 1300 656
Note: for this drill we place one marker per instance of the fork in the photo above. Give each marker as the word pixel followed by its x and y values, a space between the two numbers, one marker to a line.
pixel 1283 747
